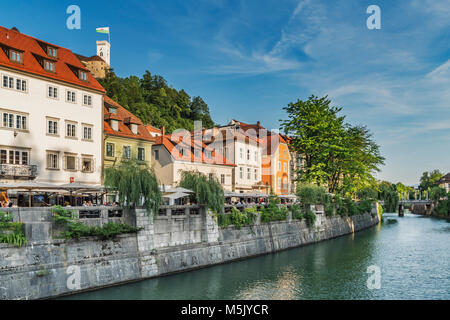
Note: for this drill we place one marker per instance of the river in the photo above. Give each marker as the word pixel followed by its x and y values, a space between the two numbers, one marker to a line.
pixel 412 254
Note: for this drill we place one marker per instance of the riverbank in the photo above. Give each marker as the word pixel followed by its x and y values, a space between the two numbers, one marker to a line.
pixel 167 244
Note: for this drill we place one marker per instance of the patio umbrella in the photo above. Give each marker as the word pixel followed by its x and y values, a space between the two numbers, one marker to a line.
pixel 29 186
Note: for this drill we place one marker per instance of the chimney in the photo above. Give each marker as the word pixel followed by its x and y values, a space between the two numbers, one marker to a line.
pixel 163 131
pixel 258 123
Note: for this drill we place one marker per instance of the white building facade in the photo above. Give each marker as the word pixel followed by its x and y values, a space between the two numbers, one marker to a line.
pixel 51 109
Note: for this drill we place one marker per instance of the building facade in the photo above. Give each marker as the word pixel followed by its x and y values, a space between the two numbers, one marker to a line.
pixel 174 154
pixel 243 150
pixel 125 136
pixel 275 164
pixel 51 126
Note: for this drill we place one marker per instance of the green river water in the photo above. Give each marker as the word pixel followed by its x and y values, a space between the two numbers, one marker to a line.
pixel 411 252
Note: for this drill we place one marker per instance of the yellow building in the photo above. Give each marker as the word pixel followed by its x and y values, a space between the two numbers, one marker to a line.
pixel 125 136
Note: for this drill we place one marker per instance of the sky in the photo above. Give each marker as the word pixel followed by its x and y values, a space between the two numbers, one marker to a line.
pixel 248 59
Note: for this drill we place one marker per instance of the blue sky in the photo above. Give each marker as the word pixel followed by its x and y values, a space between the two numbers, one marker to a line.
pixel 249 59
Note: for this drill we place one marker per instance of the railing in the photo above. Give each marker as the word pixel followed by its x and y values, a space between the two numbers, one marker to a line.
pixel 179 211
pixel 18 171
pixel 115 213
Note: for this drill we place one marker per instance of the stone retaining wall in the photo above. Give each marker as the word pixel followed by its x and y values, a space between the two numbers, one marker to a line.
pixel 48 268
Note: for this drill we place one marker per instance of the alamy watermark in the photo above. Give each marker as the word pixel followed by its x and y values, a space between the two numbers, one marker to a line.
pixel 374 280
pixel 374 20
pixel 74 20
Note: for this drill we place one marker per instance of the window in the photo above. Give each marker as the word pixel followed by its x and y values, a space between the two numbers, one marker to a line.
pixel 211 176
pixel 52 160
pixel 3 156
pixel 110 150
pixel 222 179
pixel 52 92
pixel 256 174
pixel 83 76
pixel 16 157
pixel 14 121
pixel 16 56
pixel 241 173
pixel 70 96
pixel 25 158
pixel 113 110
pixel 70 162
pixel 248 174
pixel 52 127
pixel 156 154
pixel 87 164
pixel 20 84
pixel 52 52
pixel 256 155
pixel 49 66
pixel 141 154
pixel 284 167
pixel 279 165
pixel 71 130
pixel 279 183
pixel 197 153
pixel 241 153
pixel 11 157
pixel 115 125
pixel 126 154
pixel 87 100
pixel 134 128
pixel 208 154
pixel 87 133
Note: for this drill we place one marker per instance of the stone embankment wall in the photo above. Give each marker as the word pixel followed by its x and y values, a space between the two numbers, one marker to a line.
pixel 178 239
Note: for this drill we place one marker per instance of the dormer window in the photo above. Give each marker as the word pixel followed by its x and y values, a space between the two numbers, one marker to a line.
pixel 52 52
pixel 134 128
pixel 16 56
pixel 115 125
pixel 49 66
pixel 83 76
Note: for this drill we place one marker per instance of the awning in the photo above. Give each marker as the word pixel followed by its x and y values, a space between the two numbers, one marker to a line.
pixel 176 195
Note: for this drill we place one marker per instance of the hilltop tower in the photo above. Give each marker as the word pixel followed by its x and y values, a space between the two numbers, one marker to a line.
pixel 104 50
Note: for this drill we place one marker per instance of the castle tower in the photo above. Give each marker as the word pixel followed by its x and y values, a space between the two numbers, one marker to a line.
pixel 103 51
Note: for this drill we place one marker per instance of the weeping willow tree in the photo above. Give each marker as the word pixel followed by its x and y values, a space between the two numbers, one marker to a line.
pixel 208 191
pixel 135 184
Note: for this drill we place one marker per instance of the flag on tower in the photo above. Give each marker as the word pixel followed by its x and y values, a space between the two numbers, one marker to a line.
pixel 103 30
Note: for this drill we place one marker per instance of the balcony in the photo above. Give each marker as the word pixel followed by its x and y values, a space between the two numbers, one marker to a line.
pixel 18 171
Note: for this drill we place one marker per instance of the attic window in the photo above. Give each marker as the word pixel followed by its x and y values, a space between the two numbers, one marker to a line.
pixel 115 125
pixel 83 76
pixel 16 56
pixel 134 128
pixel 112 110
pixel 52 52
pixel 49 66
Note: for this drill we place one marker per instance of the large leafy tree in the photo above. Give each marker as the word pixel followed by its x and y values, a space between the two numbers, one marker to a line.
pixel 155 102
pixel 429 179
pixel 341 156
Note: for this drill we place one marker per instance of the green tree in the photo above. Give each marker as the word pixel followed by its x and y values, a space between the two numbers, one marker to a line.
pixel 155 102
pixel 429 179
pixel 208 191
pixel 341 156
pixel 135 183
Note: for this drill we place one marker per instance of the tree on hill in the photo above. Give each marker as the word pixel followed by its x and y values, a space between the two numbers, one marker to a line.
pixel 155 102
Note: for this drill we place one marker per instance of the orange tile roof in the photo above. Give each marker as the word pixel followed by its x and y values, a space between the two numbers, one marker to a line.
pixel 151 128
pixel 172 144
pixel 123 115
pixel 31 49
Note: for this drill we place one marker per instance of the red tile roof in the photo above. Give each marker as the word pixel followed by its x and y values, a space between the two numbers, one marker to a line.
pixel 33 48
pixel 151 128
pixel 86 59
pixel 174 144
pixel 123 115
